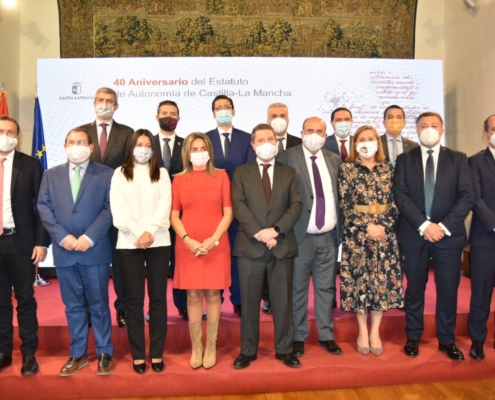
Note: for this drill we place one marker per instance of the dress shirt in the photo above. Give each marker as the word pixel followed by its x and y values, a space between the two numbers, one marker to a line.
pixel 347 143
pixel 222 138
pixel 170 143
pixel 140 206
pixel 99 128
pixel 390 145
pixel 269 170
pixel 326 181
pixel 491 151
pixel 8 217
pixel 284 142
pixel 424 156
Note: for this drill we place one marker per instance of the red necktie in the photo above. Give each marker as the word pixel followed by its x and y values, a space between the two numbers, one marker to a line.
pixel 1 194
pixel 343 150
pixel 103 140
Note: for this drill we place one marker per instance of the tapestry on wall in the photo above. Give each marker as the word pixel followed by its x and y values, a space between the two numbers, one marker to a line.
pixel 300 28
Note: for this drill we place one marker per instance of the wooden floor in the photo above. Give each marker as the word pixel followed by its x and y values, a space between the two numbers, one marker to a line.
pixel 473 390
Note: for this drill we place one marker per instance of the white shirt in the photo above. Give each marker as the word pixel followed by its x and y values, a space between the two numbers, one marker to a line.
pixel 326 181
pixel 269 170
pixel 492 151
pixel 99 128
pixel 424 156
pixel 222 138
pixel 140 206
pixel 284 141
pixel 390 145
pixel 8 217
pixel 170 143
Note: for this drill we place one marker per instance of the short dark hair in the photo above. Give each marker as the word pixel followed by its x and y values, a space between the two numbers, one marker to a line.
pixel 261 127
pixel 429 114
pixel 340 109
pixel 167 103
pixel 80 129
pixel 393 106
pixel 485 124
pixel 221 97
pixel 7 118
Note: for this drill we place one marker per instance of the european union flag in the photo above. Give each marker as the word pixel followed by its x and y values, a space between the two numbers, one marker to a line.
pixel 39 149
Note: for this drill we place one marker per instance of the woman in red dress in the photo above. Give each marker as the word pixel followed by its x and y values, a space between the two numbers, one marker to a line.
pixel 201 215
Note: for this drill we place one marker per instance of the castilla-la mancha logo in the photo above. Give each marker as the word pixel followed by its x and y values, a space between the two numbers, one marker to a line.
pixel 76 88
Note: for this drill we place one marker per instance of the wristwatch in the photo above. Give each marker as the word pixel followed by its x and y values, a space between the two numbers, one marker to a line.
pixel 215 241
pixel 277 229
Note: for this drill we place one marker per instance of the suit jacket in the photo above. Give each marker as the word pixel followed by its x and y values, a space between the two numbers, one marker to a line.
pixel 254 214
pixel 332 145
pixel 116 146
pixel 406 144
pixel 483 222
pixel 292 141
pixel 240 150
pixel 24 188
pixel 296 159
pixel 176 164
pixel 89 215
pixel 453 197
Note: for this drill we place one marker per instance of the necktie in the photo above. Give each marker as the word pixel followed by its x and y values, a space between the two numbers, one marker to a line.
pixel 267 187
pixel 281 145
pixel 103 140
pixel 1 194
pixel 76 182
pixel 320 196
pixel 343 150
pixel 396 150
pixel 166 154
pixel 226 144
pixel 429 183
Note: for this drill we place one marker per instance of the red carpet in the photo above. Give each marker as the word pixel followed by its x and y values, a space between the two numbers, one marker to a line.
pixel 319 370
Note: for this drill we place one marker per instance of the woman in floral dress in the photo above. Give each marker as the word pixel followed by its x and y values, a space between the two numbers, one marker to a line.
pixel 370 274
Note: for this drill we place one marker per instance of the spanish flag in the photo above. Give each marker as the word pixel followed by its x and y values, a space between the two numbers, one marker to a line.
pixel 4 108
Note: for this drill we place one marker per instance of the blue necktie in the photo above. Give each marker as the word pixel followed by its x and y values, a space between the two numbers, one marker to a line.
pixel 429 183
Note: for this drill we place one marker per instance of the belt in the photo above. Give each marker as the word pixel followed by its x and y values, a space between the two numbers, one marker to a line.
pixel 372 208
pixel 9 231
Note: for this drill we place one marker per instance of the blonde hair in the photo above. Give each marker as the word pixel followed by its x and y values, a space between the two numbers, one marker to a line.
pixel 186 150
pixel 379 155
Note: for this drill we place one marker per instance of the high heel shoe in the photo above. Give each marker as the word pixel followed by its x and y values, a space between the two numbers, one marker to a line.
pixel 157 366
pixel 363 350
pixel 376 350
pixel 139 368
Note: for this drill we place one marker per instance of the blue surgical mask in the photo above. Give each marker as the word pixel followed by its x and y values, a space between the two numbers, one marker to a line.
pixel 224 117
pixel 343 129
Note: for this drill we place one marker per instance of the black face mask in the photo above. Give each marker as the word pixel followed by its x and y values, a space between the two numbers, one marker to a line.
pixel 168 124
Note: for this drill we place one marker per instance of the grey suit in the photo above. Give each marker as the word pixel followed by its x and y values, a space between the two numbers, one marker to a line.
pixel 317 252
pixel 254 258
pixel 406 146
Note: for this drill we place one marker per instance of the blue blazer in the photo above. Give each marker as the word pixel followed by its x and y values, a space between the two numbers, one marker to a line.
pixel 89 214
pixel 240 151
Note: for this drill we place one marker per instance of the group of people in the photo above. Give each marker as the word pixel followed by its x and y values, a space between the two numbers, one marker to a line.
pixel 259 213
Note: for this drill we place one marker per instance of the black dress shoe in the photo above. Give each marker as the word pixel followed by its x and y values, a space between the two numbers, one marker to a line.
pixel 298 348
pixel 183 314
pixel 452 351
pixel 412 348
pixel 29 365
pixel 331 346
pixel 243 361
pixel 139 368
pixel 237 309
pixel 5 360
pixel 476 351
pixel 122 319
pixel 266 307
pixel 157 366
pixel 289 360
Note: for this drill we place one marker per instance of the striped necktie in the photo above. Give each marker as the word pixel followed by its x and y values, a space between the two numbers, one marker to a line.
pixel 76 182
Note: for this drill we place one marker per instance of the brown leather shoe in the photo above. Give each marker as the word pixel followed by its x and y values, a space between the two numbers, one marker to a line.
pixel 105 364
pixel 73 365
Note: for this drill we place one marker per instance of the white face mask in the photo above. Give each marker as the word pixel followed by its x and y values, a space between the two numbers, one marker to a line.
pixel 313 142
pixel 367 149
pixel 266 151
pixel 7 144
pixel 492 140
pixel 199 159
pixel 77 154
pixel 142 154
pixel 429 136
pixel 279 125
pixel 343 129
pixel 104 111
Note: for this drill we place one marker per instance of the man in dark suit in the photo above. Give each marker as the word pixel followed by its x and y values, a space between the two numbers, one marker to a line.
pixel 23 243
pixel 170 158
pixel 266 200
pixel 341 141
pixel 231 148
pixel 433 190
pixel 110 143
pixel 318 233
pixel 74 206
pixel 393 143
pixel 482 241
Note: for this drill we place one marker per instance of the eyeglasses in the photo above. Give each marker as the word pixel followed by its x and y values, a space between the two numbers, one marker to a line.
pixel 311 131
pixel 12 134
pixel 220 108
